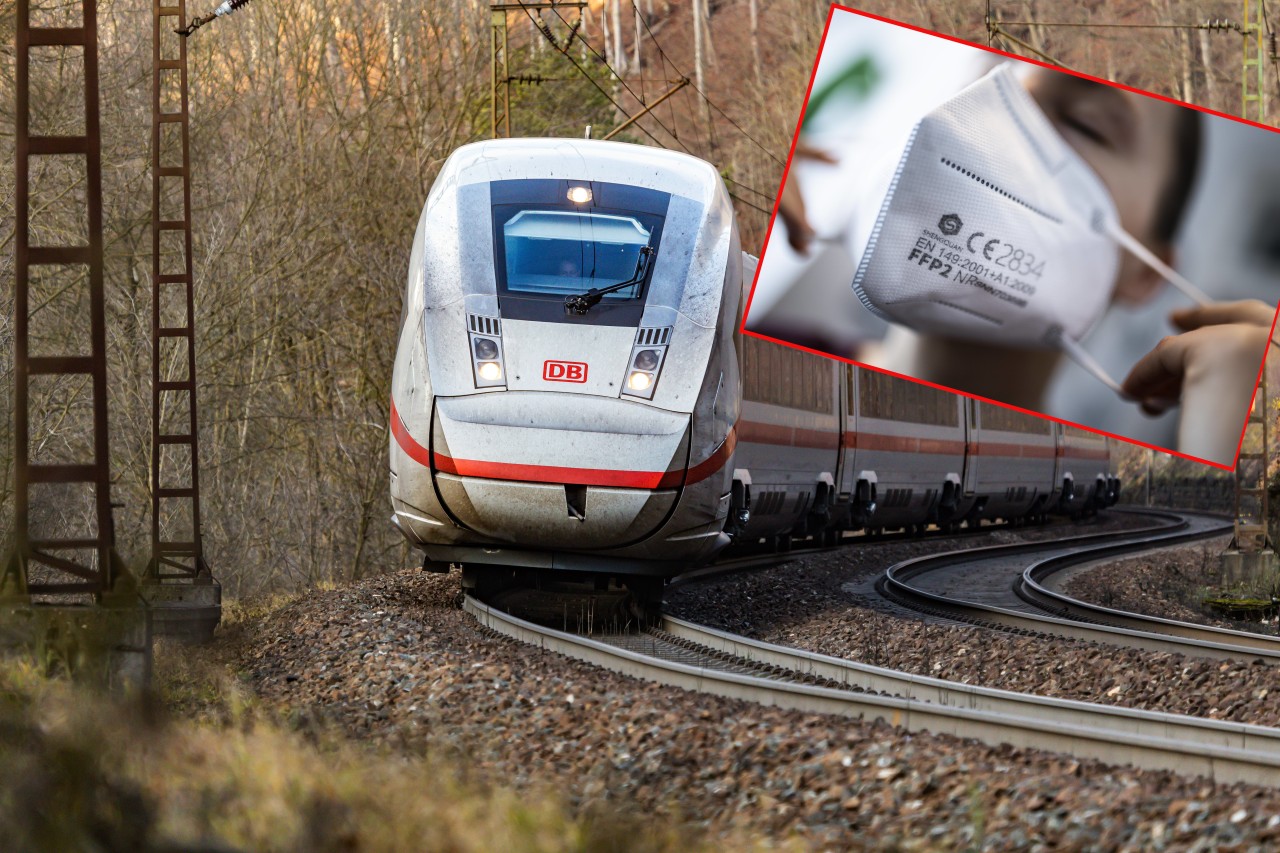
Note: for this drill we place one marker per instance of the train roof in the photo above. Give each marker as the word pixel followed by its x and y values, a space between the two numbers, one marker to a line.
pixel 584 159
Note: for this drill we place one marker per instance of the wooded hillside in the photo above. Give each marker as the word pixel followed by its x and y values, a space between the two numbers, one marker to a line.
pixel 317 129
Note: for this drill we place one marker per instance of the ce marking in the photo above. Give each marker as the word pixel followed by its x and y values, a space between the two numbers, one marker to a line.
pixel 986 250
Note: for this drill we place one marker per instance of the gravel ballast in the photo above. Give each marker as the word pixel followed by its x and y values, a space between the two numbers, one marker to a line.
pixel 825 603
pixel 1172 584
pixel 394 661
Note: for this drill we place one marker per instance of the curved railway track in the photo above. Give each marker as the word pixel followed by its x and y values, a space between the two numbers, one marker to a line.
pixel 1011 587
pixel 693 657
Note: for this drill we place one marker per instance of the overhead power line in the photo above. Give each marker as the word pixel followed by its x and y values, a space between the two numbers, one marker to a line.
pixel 1259 32
pixel 1214 24
pixel 633 119
pixel 703 94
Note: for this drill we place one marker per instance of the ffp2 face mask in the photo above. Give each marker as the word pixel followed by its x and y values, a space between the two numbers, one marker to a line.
pixel 995 230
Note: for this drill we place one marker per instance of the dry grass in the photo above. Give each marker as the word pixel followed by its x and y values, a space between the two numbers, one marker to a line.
pixel 198 764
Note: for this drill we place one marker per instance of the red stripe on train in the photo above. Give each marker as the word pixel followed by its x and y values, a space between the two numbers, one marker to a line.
pixel 752 431
pixel 902 443
pixel 551 473
pixel 560 474
pixel 416 451
pixel 715 461
pixel 1010 450
pixel 788 436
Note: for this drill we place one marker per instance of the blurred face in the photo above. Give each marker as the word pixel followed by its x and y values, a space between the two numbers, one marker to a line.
pixel 1128 139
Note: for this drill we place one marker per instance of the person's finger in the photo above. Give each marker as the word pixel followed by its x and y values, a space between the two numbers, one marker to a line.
pixel 1158 374
pixel 1156 406
pixel 1250 311
pixel 791 209
pixel 799 235
pixel 809 152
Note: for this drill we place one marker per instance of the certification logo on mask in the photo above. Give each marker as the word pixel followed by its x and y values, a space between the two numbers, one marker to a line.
pixel 950 224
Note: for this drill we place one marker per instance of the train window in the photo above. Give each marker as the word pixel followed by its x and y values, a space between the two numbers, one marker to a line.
pixel 772 373
pixel 560 252
pixel 1011 420
pixel 891 398
pixel 550 243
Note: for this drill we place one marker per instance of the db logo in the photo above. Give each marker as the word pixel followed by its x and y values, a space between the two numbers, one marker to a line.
pixel 564 371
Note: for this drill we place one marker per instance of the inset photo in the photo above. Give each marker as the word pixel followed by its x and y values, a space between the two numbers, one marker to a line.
pixel 1027 235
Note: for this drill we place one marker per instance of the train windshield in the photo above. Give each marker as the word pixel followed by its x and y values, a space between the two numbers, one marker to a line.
pixel 561 252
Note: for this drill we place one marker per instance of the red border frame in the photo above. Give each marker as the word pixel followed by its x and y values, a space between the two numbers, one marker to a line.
pixel 835 8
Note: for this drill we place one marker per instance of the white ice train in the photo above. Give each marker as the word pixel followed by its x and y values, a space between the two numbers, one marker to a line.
pixel 572 398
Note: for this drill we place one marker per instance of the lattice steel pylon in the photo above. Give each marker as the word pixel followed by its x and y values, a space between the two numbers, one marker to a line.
pixel 1253 79
pixel 69 546
pixel 500 74
pixel 185 599
pixel 500 54
pixel 177 551
pixel 1251 504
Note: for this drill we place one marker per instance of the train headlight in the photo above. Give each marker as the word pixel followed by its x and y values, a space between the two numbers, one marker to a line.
pixel 485 339
pixel 640 381
pixel 645 366
pixel 579 195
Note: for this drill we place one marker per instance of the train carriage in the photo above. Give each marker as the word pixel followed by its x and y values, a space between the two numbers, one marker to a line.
pixel 1083 472
pixel 789 437
pixel 1010 466
pixel 906 451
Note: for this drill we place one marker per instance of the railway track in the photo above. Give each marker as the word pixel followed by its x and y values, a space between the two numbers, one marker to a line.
pixel 753 558
pixel 1011 587
pixel 693 657
pixel 682 654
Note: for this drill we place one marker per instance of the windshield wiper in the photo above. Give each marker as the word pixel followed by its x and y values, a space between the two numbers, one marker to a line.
pixel 581 303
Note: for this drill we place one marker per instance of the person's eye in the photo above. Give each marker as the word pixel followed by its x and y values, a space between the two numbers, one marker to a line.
pixel 1086 129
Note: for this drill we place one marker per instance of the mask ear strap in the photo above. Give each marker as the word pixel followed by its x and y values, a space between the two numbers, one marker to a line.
pixel 1081 356
pixel 1124 238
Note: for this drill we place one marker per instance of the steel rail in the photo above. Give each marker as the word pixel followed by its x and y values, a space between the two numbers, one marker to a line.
pixel 900 584
pixel 1223 751
pixel 1034 588
pixel 748 559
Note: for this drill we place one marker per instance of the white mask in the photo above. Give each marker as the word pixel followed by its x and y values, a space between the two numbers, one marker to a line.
pixel 995 230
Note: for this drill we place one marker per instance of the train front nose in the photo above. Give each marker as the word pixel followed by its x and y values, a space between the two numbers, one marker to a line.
pixel 561 471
